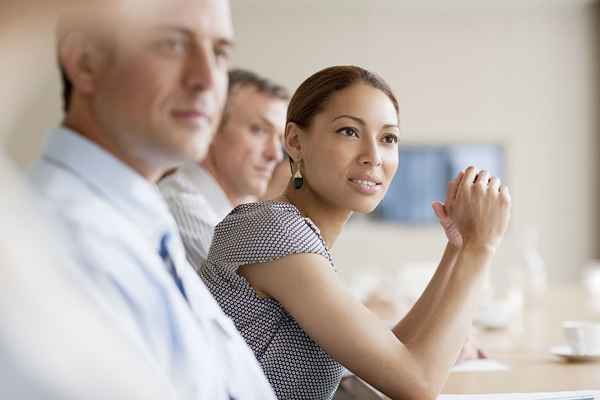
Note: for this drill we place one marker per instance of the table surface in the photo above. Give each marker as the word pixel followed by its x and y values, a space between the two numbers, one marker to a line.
pixel 525 347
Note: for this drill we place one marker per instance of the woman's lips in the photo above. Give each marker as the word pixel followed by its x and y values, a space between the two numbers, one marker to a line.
pixel 366 186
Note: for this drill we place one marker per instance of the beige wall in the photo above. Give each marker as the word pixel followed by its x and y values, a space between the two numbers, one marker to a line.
pixel 521 73
pixel 524 73
pixel 29 87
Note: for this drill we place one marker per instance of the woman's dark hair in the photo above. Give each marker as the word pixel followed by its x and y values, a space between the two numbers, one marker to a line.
pixel 312 95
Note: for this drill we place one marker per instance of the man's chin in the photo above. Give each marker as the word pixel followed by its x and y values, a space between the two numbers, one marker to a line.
pixel 256 190
pixel 196 149
pixel 178 156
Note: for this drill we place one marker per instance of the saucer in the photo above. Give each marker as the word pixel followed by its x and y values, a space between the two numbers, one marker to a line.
pixel 565 352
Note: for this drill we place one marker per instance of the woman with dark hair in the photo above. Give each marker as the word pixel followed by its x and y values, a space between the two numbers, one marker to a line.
pixel 271 270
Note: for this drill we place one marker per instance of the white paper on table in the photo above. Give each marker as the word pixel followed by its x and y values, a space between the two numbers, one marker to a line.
pixel 577 395
pixel 468 366
pixel 480 365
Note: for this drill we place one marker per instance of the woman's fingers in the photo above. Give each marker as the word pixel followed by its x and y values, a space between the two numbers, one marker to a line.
pixel 453 186
pixel 505 195
pixel 471 177
pixel 494 184
pixel 482 179
pixel 468 179
pixel 481 210
pixel 439 210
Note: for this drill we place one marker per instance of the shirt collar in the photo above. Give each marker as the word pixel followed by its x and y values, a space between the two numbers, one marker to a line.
pixel 136 198
pixel 202 182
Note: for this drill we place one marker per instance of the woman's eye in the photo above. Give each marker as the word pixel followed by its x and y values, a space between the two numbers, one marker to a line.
pixel 390 139
pixel 348 131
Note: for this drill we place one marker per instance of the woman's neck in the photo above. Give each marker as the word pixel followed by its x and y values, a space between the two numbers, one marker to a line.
pixel 329 219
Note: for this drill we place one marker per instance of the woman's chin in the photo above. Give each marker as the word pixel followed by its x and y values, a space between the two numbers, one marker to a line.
pixel 365 206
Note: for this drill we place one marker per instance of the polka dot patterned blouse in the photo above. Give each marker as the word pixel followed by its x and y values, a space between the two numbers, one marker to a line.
pixel 296 367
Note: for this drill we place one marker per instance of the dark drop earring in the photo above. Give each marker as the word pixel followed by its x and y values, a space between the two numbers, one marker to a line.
pixel 298 179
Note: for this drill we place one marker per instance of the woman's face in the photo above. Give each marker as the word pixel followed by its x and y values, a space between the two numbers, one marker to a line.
pixel 350 151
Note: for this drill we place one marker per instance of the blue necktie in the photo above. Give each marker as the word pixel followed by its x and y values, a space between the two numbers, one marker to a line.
pixel 166 257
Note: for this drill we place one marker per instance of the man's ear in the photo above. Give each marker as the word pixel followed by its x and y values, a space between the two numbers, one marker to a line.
pixel 292 141
pixel 82 61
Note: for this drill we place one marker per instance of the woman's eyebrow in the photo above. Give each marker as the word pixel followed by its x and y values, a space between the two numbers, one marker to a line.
pixel 362 122
pixel 359 120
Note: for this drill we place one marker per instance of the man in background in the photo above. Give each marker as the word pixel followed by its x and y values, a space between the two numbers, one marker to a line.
pixel 280 179
pixel 239 164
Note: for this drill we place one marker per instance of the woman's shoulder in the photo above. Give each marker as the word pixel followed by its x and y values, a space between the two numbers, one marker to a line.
pixel 263 215
pixel 266 208
pixel 270 228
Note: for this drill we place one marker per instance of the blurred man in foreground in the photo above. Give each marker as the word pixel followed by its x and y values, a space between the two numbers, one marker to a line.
pixel 55 341
pixel 143 92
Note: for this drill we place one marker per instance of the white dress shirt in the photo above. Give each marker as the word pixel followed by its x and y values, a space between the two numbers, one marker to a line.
pixel 198 204
pixel 55 342
pixel 117 221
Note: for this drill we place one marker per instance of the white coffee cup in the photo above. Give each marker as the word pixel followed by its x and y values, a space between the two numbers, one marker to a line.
pixel 583 336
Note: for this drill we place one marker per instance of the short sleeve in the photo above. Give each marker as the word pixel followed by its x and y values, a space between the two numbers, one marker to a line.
pixel 262 232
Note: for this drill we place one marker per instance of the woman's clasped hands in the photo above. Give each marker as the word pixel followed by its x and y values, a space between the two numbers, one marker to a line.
pixel 477 210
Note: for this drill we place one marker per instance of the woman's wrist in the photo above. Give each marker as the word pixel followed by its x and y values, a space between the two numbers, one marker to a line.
pixel 454 247
pixel 474 258
pixel 478 249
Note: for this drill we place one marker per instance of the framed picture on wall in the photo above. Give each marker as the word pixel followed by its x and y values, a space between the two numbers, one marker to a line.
pixel 423 175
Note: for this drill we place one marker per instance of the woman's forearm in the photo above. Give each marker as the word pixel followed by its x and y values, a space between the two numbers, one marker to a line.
pixel 443 330
pixel 410 325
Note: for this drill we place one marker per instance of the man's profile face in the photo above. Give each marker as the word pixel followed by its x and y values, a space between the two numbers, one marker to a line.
pixel 248 144
pixel 162 88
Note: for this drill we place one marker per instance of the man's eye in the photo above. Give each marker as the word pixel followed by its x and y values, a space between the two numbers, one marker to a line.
pixel 171 45
pixel 222 53
pixel 256 129
pixel 348 131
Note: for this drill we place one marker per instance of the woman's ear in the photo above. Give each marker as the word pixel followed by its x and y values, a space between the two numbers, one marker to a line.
pixel 293 141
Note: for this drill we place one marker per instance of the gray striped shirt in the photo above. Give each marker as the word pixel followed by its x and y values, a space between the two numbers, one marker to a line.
pixel 198 204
